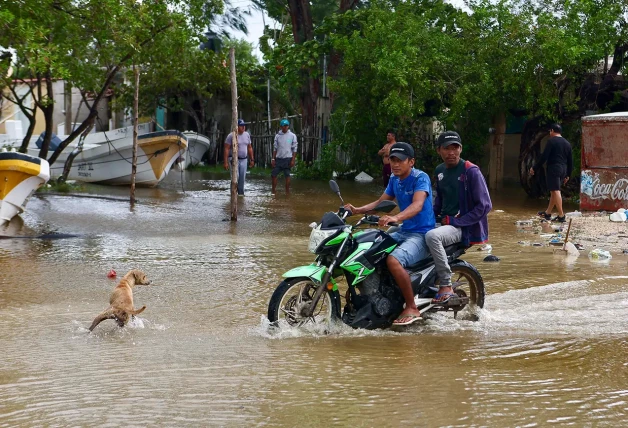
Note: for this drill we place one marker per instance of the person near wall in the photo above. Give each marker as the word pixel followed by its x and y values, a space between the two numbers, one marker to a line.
pixel 284 154
pixel 557 154
pixel 245 153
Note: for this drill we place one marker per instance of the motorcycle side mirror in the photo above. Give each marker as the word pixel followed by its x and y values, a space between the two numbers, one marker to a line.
pixel 334 188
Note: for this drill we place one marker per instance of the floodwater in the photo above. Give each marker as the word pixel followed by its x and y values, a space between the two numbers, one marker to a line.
pixel 550 347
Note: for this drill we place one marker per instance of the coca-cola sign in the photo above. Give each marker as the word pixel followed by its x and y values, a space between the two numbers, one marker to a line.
pixel 596 188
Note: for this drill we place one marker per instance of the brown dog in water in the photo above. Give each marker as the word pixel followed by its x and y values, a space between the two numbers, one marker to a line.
pixel 121 300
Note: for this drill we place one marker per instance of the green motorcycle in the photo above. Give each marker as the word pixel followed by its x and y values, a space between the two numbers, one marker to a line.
pixel 372 299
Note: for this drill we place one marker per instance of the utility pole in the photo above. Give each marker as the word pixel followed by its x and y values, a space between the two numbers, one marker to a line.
pixel 234 130
pixel 136 97
pixel 68 108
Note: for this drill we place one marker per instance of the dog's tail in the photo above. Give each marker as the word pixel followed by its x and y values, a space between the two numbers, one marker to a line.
pixel 138 311
pixel 105 315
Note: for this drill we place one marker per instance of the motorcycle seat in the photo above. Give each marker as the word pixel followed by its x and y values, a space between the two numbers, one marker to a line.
pixel 455 249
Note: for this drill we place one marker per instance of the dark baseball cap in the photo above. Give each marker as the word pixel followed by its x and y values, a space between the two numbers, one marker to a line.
pixel 402 151
pixel 241 122
pixel 448 138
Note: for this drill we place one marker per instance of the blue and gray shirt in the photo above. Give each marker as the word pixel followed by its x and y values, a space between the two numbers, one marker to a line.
pixel 285 144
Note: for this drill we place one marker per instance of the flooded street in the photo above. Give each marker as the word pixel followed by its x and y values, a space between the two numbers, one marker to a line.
pixel 550 347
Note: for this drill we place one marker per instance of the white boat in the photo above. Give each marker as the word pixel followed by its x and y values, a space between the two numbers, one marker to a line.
pixel 110 162
pixel 198 144
pixel 20 176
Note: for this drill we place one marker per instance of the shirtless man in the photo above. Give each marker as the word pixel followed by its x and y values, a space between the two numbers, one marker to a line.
pixel 384 152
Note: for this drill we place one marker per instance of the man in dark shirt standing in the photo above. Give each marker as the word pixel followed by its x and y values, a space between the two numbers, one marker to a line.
pixel 557 154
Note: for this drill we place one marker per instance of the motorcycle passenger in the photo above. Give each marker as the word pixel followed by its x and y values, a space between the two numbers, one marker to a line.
pixel 463 202
pixel 413 191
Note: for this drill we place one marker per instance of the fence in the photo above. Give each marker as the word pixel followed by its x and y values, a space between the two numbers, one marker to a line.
pixel 310 142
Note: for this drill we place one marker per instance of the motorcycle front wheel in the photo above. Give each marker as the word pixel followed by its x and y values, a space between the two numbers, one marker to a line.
pixel 293 296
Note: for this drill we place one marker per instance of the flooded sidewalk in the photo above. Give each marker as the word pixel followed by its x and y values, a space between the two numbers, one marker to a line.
pixel 549 348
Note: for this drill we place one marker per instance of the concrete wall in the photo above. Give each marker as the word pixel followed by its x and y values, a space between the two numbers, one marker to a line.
pixel 12 111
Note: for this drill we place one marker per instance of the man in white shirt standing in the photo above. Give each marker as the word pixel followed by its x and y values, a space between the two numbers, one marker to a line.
pixel 245 152
pixel 284 154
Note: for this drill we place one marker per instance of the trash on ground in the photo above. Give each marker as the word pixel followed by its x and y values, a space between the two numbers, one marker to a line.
pixel 523 223
pixel 557 241
pixel 111 274
pixel 363 177
pixel 571 249
pixel 624 251
pixel 573 214
pixel 618 217
pixel 491 258
pixel 499 211
pixel 579 246
pixel 485 247
pixel 599 254
pixel 537 244
pixel 524 243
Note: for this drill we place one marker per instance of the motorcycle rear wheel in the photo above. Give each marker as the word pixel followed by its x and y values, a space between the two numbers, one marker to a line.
pixel 292 295
pixel 471 285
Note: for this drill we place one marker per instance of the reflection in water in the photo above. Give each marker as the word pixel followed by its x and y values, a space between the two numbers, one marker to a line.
pixel 549 347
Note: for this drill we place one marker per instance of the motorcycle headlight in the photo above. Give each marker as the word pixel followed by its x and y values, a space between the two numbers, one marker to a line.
pixel 317 236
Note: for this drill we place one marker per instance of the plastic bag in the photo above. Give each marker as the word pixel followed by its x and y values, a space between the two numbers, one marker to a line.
pixel 599 254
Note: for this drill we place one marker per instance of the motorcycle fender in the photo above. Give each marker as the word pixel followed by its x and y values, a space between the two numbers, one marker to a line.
pixel 315 273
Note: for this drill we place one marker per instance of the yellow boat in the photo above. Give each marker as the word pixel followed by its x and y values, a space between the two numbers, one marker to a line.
pixel 20 176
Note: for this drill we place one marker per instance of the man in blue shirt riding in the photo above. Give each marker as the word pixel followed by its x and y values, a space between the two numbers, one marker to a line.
pixel 413 191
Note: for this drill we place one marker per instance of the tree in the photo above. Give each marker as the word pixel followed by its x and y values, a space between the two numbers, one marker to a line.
pixel 90 43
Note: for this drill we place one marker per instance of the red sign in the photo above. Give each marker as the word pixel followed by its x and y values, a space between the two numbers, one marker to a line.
pixel 604 175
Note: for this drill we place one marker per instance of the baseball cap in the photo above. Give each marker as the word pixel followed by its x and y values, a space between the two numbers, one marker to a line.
pixel 241 122
pixel 402 151
pixel 448 138
pixel 284 122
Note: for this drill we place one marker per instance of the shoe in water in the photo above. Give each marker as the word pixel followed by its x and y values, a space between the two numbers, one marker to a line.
pixel 559 219
pixel 544 215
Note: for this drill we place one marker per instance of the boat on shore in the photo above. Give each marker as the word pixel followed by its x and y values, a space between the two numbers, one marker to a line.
pixel 110 162
pixel 198 144
pixel 20 176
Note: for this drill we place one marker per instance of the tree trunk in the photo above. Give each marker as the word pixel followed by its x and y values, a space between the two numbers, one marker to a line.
pixel 303 31
pixel 29 132
pixel 47 106
pixel 93 112
pixel 136 97
pixel 529 153
pixel 234 141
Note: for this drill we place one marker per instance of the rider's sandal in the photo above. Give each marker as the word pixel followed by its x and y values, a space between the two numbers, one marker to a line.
pixel 444 298
pixel 412 318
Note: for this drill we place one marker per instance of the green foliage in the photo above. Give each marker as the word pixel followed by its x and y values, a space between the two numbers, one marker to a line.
pixel 406 64
pixel 323 167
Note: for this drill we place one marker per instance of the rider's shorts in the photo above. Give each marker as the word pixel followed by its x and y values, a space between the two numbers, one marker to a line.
pixel 412 248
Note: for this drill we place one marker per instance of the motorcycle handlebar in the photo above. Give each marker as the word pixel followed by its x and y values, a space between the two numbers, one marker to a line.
pixel 374 219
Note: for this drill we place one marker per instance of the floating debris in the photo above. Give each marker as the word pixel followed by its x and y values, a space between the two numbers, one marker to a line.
pixel 491 258
pixel 599 254
pixel 485 247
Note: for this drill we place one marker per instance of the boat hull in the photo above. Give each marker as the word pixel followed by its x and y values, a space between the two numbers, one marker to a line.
pixel 198 145
pixel 20 176
pixel 110 163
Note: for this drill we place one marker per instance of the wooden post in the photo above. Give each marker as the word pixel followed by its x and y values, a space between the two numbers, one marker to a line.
pixel 234 142
pixel 496 165
pixel 136 97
